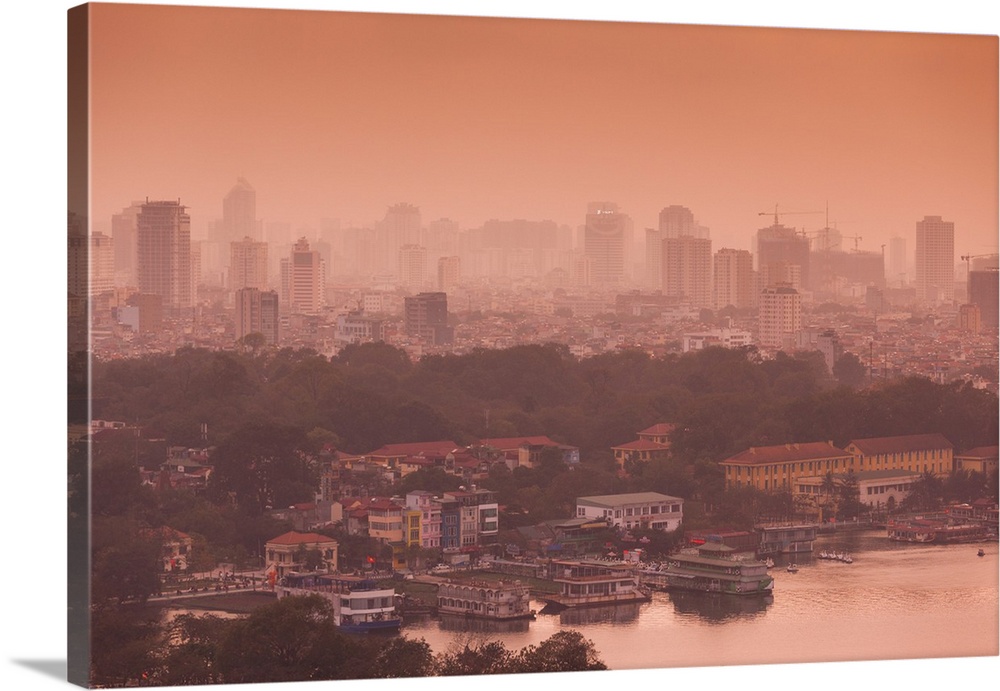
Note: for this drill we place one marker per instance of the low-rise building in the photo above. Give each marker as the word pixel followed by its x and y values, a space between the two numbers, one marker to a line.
pixel 295 551
pixel 918 453
pixel 982 459
pixel 635 510
pixel 779 467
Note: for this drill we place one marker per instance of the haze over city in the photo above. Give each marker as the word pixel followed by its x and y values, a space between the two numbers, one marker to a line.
pixel 473 119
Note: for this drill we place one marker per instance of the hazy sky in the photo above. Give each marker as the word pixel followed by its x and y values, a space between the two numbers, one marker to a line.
pixel 337 114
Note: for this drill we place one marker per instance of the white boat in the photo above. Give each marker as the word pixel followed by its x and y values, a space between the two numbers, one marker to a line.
pixel 792 568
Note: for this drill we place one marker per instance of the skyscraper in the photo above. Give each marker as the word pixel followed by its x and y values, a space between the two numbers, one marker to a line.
pixel 400 226
pixel 983 291
pixel 239 213
pixel 897 269
pixel 687 269
pixel 604 243
pixel 412 267
pixel 733 279
pixel 303 280
pixel 123 236
pixel 163 253
pixel 248 264
pixel 935 255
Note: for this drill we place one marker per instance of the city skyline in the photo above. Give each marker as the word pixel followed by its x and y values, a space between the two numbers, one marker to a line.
pixel 531 123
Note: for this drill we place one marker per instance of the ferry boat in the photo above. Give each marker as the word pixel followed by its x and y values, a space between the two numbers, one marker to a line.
pixel 359 605
pixel 712 568
pixel 501 601
pixel 593 582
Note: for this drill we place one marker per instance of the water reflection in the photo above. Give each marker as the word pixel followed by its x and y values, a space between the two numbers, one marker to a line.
pixel 624 613
pixel 718 608
pixel 460 624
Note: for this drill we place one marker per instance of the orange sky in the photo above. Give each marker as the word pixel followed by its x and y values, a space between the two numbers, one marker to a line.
pixel 339 115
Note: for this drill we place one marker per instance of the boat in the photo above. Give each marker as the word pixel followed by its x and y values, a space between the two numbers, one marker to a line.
pixel 770 563
pixel 360 605
pixel 594 582
pixel 981 552
pixel 712 568
pixel 938 529
pixel 501 601
pixel 792 568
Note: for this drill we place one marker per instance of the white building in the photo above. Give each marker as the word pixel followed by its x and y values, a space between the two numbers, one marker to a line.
pixel 726 338
pixel 635 510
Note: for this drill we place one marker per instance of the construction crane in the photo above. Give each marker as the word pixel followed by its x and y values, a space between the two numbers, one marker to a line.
pixel 784 213
pixel 856 238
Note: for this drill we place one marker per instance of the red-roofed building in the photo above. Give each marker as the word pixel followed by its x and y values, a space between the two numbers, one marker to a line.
pixel 642 450
pixel 918 453
pixel 385 519
pixel 290 552
pixel 659 433
pixel 778 467
pixel 529 449
pixel 390 456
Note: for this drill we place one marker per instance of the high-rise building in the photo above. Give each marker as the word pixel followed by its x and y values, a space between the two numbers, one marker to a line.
pixel 303 280
pixel 897 269
pixel 687 270
pixel 778 244
pixel 970 318
pixel 163 253
pixel 257 312
pixel 248 264
pixel 412 267
pixel 935 260
pixel 400 226
pixel 733 279
pixel 124 229
pixel 604 243
pixel 449 272
pixel 425 316
pixel 239 213
pixel 779 316
pixel 674 221
pixel 983 291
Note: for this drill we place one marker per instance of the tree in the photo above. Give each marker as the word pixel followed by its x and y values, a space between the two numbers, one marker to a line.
pixel 490 657
pixel 849 371
pixel 565 651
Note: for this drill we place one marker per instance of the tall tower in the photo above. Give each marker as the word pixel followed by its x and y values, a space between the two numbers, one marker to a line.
pixel 239 213
pixel 248 264
pixel 983 291
pixel 935 256
pixel 123 236
pixel 400 226
pixel 303 280
pixel 687 269
pixel 733 279
pixel 604 243
pixel 163 253
pixel 897 269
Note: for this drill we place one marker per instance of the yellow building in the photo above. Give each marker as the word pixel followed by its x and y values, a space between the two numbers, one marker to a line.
pixel 982 459
pixel 918 453
pixel 778 467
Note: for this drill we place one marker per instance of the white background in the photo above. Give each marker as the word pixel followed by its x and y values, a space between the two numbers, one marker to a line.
pixel 33 543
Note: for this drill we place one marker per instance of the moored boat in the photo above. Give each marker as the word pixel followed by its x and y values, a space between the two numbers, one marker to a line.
pixel 712 568
pixel 592 582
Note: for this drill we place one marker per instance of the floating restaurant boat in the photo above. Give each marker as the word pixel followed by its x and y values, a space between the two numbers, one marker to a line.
pixel 500 601
pixel 359 605
pixel 712 568
pixel 939 529
pixel 592 582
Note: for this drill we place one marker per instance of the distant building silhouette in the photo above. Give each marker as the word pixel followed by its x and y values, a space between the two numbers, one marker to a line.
pixel 733 279
pixel 781 246
pixel 412 267
pixel 935 260
pixel 124 232
pixel 239 213
pixel 449 273
pixel 604 243
pixel 247 264
pixel 163 252
pixel 687 269
pixel 983 292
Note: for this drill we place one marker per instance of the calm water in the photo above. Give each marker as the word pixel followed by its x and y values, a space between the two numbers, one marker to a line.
pixel 896 601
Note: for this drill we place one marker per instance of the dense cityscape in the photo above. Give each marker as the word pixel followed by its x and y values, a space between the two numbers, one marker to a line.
pixel 410 346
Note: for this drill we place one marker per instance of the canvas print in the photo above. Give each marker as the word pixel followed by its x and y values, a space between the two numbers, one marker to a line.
pixel 408 345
